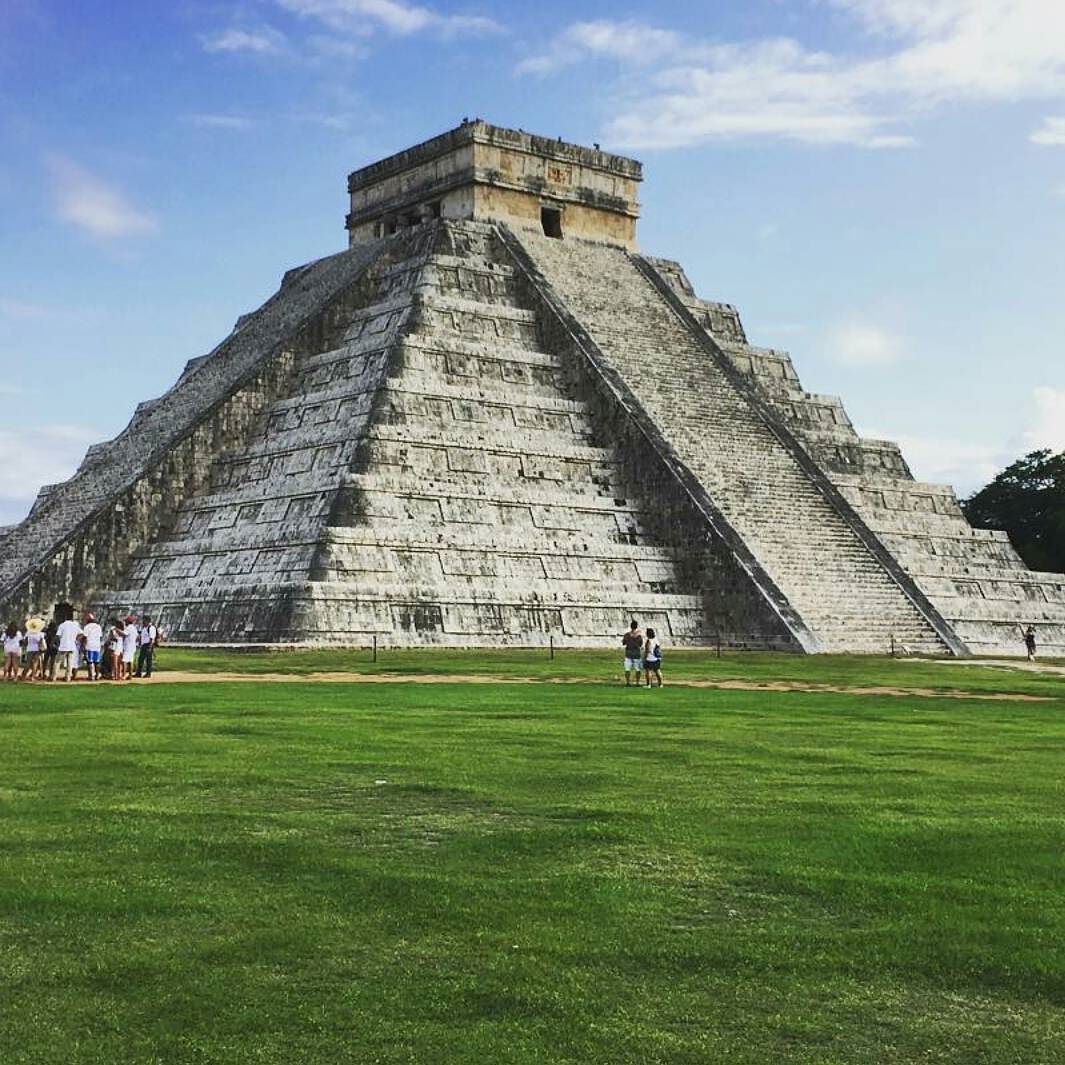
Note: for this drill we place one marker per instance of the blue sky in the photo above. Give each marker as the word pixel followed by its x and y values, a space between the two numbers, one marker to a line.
pixel 879 185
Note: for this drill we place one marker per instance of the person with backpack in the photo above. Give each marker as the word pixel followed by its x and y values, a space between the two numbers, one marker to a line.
pixel 145 654
pixel 633 642
pixel 51 649
pixel 652 659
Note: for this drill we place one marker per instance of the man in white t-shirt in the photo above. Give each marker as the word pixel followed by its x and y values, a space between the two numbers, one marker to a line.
pixel 67 633
pixel 146 653
pixel 94 643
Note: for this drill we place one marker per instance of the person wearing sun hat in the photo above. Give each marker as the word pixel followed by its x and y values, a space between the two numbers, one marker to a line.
pixel 36 642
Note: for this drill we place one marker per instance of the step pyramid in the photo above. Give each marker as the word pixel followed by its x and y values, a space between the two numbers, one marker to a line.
pixel 466 431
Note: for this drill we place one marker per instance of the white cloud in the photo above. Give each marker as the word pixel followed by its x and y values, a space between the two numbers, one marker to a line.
pixel 943 460
pixel 923 55
pixel 1046 427
pixel 22 310
pixel 220 121
pixel 358 18
pixel 264 40
pixel 968 465
pixel 95 206
pixel 630 42
pixel 860 343
pixel 1051 132
pixel 42 455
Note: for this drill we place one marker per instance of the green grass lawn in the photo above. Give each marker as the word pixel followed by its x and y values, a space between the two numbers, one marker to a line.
pixel 847 670
pixel 321 873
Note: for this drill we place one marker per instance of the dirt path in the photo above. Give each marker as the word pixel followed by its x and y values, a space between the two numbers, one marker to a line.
pixel 185 677
pixel 1015 665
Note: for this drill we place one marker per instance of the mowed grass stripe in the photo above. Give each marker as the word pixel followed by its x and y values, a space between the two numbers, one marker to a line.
pixel 605 666
pixel 547 873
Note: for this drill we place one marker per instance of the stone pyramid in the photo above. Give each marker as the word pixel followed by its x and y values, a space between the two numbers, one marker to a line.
pixel 492 422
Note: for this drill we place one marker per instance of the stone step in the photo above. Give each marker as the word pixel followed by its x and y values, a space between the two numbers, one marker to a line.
pixel 747 472
pixel 525 394
pixel 478 503
pixel 544 444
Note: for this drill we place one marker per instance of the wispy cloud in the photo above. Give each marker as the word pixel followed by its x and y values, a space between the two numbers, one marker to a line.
pixel 1046 427
pixel 630 42
pixel 359 18
pixel 969 466
pixel 42 455
pixel 95 206
pixel 20 309
pixel 262 40
pixel 221 121
pixel 1051 132
pixel 945 460
pixel 861 343
pixel 926 55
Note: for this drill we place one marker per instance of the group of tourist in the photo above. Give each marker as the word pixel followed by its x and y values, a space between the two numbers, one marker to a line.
pixel 643 654
pixel 39 651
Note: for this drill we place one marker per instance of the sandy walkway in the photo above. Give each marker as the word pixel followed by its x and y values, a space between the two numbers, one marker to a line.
pixel 183 677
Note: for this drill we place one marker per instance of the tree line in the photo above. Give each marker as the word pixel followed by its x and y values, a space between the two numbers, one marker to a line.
pixel 1027 499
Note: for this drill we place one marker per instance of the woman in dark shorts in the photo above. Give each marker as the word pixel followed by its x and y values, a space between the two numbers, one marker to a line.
pixel 652 659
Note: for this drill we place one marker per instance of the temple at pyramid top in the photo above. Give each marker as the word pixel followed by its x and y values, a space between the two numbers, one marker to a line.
pixel 482 172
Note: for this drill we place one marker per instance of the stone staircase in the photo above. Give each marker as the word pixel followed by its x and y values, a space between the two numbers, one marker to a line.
pixel 973 577
pixel 483 509
pixel 837 586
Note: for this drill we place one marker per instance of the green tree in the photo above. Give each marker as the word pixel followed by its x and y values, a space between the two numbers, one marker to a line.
pixel 1027 499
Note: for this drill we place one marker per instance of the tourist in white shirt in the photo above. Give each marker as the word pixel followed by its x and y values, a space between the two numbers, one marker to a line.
pixel 129 646
pixel 68 633
pixel 94 642
pixel 147 639
pixel 12 651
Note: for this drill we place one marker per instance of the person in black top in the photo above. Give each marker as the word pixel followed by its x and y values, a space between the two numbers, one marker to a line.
pixel 51 649
pixel 633 641
pixel 1029 642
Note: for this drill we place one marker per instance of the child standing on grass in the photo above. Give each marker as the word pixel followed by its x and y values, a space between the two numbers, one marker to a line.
pixel 12 651
pixel 652 659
